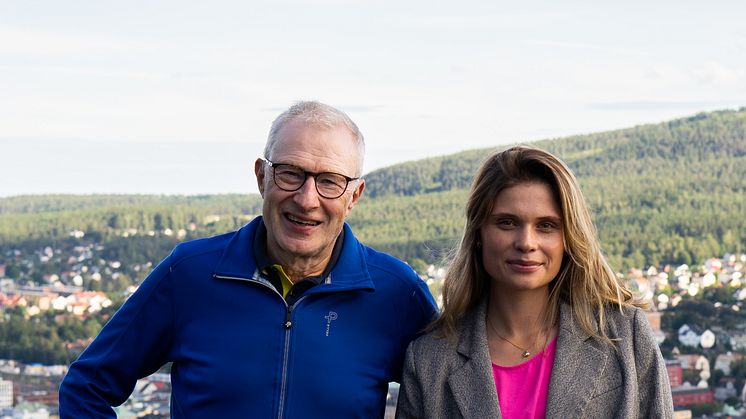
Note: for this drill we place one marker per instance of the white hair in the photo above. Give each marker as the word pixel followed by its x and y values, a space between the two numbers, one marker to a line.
pixel 316 113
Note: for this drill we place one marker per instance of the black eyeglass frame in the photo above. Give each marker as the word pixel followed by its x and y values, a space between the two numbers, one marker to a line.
pixel 306 174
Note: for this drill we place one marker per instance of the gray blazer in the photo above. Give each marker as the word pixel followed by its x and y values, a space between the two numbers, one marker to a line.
pixel 590 379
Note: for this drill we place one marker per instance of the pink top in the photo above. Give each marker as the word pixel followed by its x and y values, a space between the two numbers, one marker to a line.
pixel 522 389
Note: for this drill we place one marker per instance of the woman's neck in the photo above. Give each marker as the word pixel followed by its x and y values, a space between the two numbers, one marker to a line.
pixel 521 314
pixel 518 326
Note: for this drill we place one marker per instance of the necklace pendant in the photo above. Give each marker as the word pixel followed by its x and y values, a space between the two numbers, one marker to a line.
pixel 526 354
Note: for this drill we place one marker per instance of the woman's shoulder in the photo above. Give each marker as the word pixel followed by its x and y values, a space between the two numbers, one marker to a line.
pixel 624 314
pixel 432 342
pixel 627 320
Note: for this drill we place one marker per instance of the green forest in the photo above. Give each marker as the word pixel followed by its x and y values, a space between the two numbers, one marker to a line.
pixel 665 193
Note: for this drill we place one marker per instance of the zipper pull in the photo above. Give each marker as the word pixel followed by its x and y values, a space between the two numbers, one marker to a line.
pixel 288 319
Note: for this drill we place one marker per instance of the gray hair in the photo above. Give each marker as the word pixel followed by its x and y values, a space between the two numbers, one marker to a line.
pixel 318 114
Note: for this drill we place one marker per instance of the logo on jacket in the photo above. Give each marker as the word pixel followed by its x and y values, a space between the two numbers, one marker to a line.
pixel 329 318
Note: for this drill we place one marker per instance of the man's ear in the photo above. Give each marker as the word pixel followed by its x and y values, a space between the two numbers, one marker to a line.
pixel 356 194
pixel 260 173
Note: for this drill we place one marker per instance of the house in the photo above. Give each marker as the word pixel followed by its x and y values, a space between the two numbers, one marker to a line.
pixel 707 340
pixel 11 301
pixel 726 389
pixel 713 264
pixel 689 335
pixel 723 361
pixel 40 297
pixel 78 308
pixel 738 340
pixel 95 300
pixel 28 410
pixel 688 395
pixel 693 362
pixel 675 372
pixel 6 393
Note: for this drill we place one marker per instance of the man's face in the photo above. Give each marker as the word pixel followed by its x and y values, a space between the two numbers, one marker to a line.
pixel 302 226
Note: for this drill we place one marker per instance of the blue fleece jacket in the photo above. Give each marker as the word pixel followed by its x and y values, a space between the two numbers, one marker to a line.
pixel 239 351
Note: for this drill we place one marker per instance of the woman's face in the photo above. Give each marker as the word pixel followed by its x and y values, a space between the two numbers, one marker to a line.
pixel 522 241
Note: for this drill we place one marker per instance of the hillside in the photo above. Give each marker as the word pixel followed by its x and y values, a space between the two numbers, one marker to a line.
pixel 673 192
pixel 705 137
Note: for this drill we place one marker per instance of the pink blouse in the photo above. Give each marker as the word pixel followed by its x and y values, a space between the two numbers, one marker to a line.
pixel 522 389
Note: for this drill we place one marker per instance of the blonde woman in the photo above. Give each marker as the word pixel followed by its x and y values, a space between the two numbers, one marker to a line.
pixel 535 324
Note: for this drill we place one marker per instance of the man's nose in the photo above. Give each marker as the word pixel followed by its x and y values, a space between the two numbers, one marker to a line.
pixel 307 196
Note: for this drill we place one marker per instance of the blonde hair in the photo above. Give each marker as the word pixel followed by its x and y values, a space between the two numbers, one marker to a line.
pixel 585 280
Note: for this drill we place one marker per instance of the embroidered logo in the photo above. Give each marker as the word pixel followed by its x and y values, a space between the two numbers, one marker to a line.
pixel 329 318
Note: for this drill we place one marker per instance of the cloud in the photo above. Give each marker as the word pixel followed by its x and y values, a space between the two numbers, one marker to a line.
pixel 715 72
pixel 55 44
pixel 346 108
pixel 662 105
pixel 86 71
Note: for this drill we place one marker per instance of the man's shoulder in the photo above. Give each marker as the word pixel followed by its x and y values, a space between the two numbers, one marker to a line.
pixel 201 246
pixel 381 262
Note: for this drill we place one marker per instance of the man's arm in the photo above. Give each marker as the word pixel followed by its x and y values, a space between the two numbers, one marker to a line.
pixel 422 310
pixel 133 344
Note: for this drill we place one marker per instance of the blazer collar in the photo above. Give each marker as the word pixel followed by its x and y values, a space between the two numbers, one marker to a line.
pixel 472 384
pixel 579 361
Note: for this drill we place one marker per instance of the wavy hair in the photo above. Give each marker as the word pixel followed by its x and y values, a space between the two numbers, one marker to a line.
pixel 585 280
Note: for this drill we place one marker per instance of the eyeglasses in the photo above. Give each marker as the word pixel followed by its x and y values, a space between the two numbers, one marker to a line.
pixel 290 178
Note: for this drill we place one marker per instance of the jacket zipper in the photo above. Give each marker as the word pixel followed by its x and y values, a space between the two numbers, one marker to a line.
pixel 287 325
pixel 286 355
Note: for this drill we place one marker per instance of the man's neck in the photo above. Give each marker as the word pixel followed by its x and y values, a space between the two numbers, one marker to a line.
pixel 294 266
pixel 297 268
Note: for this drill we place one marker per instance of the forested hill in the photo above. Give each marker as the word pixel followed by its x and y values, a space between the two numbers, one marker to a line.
pixel 706 137
pixel 673 192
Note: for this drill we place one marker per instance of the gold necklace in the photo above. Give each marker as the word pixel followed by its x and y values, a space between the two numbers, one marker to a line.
pixel 524 351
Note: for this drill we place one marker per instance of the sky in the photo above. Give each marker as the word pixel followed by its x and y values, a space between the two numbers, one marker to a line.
pixel 176 97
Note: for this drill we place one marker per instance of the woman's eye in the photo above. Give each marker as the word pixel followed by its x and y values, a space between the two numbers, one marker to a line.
pixel 547 226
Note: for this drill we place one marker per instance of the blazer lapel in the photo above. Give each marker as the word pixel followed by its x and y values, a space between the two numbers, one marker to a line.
pixel 473 385
pixel 578 365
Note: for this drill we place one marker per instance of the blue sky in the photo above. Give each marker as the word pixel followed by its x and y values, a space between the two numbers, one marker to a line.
pixel 176 97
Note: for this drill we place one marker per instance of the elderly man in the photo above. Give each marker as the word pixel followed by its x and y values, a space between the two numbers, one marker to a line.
pixel 288 317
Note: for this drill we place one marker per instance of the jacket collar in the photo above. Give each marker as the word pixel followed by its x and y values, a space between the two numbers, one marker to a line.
pixel 238 262
pixel 472 384
pixel 264 263
pixel 578 362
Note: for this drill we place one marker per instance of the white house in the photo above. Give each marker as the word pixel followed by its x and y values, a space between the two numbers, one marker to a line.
pixel 688 336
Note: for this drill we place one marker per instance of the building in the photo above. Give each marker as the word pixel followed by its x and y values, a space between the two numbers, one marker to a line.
pixel 693 362
pixel 675 372
pixel 6 394
pixel 724 361
pixel 738 340
pixel 684 396
pixel 689 335
pixel 726 389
